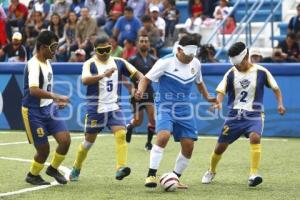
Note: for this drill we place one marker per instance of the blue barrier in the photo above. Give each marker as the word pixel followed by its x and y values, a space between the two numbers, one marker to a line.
pixel 67 81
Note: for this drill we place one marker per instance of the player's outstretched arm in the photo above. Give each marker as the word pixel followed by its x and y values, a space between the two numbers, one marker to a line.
pixel 203 90
pixel 281 108
pixel 89 80
pixel 61 100
pixel 144 82
pixel 138 76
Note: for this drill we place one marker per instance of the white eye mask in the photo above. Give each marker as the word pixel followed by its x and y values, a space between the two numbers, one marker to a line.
pixel 189 49
pixel 236 60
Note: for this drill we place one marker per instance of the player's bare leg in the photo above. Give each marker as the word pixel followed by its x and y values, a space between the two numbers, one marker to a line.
pixel 156 155
pixel 209 175
pixel 42 153
pixel 63 139
pixel 82 152
pixel 255 154
pixel 121 152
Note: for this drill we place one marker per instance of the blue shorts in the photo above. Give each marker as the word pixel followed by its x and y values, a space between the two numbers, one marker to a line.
pixel 241 124
pixel 96 122
pixel 42 122
pixel 179 125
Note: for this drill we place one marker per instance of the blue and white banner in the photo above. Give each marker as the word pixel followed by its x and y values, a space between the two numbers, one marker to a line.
pixel 67 82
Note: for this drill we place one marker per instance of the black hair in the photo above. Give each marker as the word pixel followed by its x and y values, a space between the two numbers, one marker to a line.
pixel 146 18
pixel 101 40
pixel 115 38
pixel 298 6
pixel 188 40
pixel 291 35
pixel 206 51
pixel 130 41
pixel 143 34
pixel 128 8
pixel 60 25
pixel 45 38
pixel 236 49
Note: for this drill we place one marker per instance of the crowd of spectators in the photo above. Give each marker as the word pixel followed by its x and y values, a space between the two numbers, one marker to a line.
pixel 77 23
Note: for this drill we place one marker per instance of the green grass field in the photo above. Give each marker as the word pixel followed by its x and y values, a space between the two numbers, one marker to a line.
pixel 280 168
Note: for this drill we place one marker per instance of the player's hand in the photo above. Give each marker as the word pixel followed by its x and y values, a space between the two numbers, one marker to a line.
pixel 138 95
pixel 109 72
pixel 62 101
pixel 216 105
pixel 281 109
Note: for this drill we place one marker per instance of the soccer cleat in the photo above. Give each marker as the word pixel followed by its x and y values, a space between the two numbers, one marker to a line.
pixel 182 186
pixel 56 174
pixel 122 173
pixel 208 177
pixel 129 129
pixel 148 146
pixel 151 182
pixel 255 180
pixel 35 180
pixel 74 174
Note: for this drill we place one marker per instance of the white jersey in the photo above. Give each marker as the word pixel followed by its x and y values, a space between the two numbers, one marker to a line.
pixel 245 89
pixel 37 74
pixel 103 96
pixel 175 78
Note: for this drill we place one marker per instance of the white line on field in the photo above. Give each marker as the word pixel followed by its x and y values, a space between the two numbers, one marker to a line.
pixel 109 135
pixel 65 170
pixel 26 142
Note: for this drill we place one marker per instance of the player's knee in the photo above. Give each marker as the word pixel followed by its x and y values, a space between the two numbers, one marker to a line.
pixel 43 152
pixel 254 138
pixel 162 142
pixel 137 122
pixel 220 148
pixel 65 141
pixel 90 137
pixel 187 151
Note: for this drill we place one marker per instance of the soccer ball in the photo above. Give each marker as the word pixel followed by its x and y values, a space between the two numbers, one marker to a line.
pixel 168 182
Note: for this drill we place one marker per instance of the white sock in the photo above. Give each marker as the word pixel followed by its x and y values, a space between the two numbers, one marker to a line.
pixel 181 163
pixel 156 155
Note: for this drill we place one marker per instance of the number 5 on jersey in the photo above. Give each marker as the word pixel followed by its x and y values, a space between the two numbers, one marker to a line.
pixel 109 86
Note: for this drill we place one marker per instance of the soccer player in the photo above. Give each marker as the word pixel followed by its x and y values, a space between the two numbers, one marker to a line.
pixel 175 75
pixel 40 111
pixel 143 61
pixel 102 74
pixel 244 83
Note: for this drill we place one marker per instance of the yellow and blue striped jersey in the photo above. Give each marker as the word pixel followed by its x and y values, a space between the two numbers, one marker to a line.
pixel 246 89
pixel 37 74
pixel 103 96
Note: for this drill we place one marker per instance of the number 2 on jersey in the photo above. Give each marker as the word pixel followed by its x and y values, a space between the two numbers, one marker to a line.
pixel 109 86
pixel 244 95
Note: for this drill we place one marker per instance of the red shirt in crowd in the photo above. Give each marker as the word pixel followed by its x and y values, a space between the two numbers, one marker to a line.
pixel 20 11
pixel 127 53
pixel 197 8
